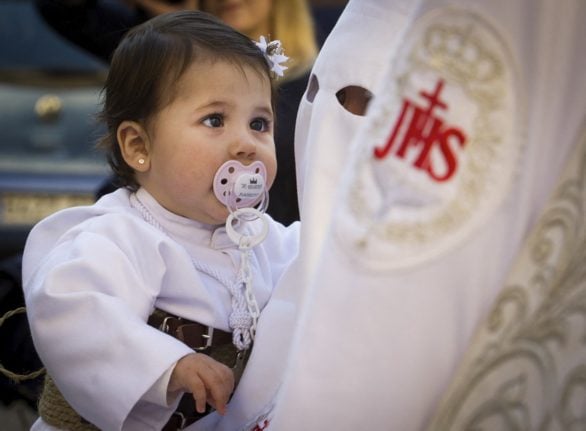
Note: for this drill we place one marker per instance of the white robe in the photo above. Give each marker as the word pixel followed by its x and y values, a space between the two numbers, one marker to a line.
pixel 92 276
pixel 399 293
pixel 405 268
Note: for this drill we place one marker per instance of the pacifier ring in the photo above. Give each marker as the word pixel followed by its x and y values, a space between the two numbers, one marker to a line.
pixel 246 241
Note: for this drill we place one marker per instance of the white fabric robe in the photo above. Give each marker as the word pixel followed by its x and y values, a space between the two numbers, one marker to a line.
pixel 92 276
pixel 384 331
pixel 384 323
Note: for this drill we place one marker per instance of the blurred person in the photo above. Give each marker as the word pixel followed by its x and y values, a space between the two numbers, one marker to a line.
pixel 154 291
pixel 98 25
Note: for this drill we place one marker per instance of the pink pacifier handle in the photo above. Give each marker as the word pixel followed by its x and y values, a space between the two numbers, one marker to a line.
pixel 240 186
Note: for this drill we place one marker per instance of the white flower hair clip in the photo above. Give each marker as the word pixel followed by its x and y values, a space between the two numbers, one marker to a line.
pixel 273 52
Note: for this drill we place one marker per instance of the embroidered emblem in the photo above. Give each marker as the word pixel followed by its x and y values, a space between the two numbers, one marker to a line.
pixel 425 130
pixel 440 145
pixel 261 422
pixel 261 425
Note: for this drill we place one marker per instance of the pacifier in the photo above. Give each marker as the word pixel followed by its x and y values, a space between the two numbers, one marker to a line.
pixel 239 186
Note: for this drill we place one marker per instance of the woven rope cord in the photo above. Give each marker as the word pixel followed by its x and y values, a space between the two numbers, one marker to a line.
pixel 57 412
pixel 9 374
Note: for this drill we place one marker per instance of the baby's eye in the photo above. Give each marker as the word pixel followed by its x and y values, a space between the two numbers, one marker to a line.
pixel 214 120
pixel 260 124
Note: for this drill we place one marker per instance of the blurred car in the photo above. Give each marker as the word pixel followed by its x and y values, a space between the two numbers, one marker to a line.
pixel 49 97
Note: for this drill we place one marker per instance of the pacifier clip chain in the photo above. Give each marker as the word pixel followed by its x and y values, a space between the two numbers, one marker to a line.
pixel 245 311
pixel 240 188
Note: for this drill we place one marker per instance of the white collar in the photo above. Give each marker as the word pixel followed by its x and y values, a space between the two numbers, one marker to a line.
pixel 181 228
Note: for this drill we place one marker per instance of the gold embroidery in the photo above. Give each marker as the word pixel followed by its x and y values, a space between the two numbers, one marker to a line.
pixel 526 369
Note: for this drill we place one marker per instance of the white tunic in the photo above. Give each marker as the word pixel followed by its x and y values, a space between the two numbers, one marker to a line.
pixel 92 276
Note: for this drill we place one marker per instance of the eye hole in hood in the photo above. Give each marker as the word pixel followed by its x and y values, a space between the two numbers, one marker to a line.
pixel 354 99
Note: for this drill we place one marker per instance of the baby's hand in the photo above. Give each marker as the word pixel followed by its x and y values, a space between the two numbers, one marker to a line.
pixel 207 379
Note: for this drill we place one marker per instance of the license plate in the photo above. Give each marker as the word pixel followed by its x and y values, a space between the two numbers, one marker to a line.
pixel 29 208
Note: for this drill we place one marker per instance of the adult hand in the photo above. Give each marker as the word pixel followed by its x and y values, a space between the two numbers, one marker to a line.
pixel 207 379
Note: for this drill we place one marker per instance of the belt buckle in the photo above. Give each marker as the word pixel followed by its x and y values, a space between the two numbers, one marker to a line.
pixel 182 419
pixel 164 326
pixel 209 338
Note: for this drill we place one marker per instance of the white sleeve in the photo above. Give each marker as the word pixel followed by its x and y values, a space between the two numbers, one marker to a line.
pixel 87 305
pixel 157 394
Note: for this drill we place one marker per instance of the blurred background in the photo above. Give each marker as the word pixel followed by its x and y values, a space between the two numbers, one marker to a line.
pixel 49 98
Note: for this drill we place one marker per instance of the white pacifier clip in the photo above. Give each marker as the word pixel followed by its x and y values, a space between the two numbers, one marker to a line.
pixel 240 188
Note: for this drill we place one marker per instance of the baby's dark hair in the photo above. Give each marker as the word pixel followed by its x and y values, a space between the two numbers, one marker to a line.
pixel 149 62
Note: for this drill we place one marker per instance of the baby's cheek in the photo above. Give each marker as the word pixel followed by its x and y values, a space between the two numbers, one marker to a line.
pixel 271 172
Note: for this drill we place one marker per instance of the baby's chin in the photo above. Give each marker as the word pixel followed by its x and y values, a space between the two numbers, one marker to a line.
pixel 219 214
pixel 214 215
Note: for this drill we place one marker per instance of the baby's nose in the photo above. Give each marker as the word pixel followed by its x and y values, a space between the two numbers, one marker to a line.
pixel 243 146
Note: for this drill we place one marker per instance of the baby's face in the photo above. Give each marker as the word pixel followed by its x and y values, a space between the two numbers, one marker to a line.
pixel 221 112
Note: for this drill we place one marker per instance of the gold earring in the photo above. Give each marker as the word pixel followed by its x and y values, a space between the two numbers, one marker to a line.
pixel 141 161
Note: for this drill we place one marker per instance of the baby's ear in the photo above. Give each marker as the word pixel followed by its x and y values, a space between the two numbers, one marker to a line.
pixel 133 142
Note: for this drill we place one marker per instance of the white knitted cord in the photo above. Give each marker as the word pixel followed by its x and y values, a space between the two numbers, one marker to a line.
pixel 245 243
pixel 245 275
pixel 242 321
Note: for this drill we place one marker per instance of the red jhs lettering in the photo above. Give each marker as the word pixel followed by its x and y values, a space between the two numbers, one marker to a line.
pixel 261 426
pixel 424 131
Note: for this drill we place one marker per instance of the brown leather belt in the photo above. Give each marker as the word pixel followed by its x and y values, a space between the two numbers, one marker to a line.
pixel 203 339
pixel 200 338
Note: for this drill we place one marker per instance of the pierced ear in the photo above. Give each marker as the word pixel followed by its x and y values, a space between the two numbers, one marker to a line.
pixel 133 142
